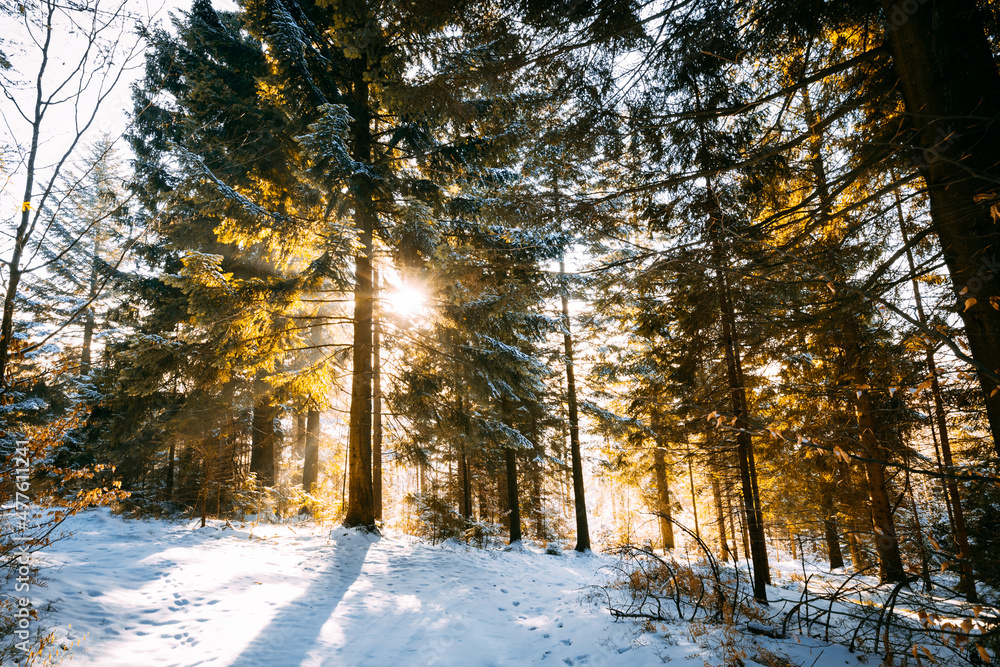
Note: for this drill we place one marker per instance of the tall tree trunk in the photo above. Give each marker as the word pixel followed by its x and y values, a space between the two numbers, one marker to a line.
pixel 694 495
pixel 579 501
pixel 263 437
pixel 830 530
pixel 662 491
pixel 720 513
pixel 300 433
pixel 310 459
pixel 951 90
pixel 463 466
pixel 565 473
pixel 886 542
pixel 170 471
pixel 377 402
pixel 737 390
pixel 484 504
pixel 952 497
pixel 925 573
pixel 732 520
pixel 537 480
pixel 463 461
pixel 858 559
pixel 203 494
pixel 940 465
pixel 90 320
pixel 513 504
pixel 360 502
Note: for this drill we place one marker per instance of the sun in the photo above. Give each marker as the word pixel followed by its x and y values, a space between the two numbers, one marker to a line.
pixel 407 301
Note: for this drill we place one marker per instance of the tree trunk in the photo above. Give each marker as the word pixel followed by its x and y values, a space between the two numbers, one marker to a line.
pixel 886 542
pixel 300 433
pixel 204 492
pixel 170 471
pixel 537 481
pixel 925 573
pixel 830 531
pixel 858 559
pixel 662 493
pixel 952 497
pixel 360 502
pixel 376 403
pixel 737 389
pixel 463 467
pixel 579 502
pixel 723 542
pixel 484 505
pixel 951 90
pixel 694 495
pixel 513 504
pixel 90 320
pixel 263 438
pixel 310 459
pixel 732 523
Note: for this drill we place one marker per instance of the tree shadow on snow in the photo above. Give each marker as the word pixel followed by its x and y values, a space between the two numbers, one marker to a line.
pixel 293 631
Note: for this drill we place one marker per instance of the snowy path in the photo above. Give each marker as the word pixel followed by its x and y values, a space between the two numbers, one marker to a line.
pixel 152 594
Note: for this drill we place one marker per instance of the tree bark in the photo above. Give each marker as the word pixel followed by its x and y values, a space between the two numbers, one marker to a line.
pixel 263 438
pixel 170 471
pixel 90 320
pixel 579 501
pixel 662 492
pixel 952 497
pixel 858 559
pixel 951 90
pixel 376 402
pixel 513 504
pixel 463 467
pixel 694 495
pixel 537 480
pixel 830 531
pixel 925 573
pixel 310 459
pixel 720 513
pixel 300 433
pixel 737 391
pixel 886 542
pixel 360 502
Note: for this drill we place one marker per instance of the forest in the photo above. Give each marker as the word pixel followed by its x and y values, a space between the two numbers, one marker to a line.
pixel 705 293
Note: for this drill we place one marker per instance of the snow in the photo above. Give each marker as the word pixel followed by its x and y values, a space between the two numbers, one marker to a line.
pixel 157 593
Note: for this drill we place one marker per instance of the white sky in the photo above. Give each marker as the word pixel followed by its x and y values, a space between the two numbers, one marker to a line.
pixel 110 72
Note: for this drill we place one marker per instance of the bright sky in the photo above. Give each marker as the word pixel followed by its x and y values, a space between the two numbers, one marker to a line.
pixel 103 83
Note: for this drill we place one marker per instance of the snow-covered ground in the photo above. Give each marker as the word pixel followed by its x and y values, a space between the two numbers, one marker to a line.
pixel 157 593
pixel 152 593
